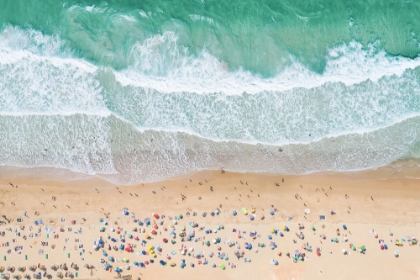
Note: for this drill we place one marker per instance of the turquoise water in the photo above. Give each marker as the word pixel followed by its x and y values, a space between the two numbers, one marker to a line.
pixel 136 91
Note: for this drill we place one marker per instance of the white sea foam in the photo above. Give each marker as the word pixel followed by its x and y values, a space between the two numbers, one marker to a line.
pixel 362 112
pixel 160 63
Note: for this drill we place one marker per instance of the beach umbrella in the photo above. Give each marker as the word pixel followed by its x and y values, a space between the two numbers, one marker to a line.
pixel 396 253
pixel 272 212
pixel 146 262
pixel 382 247
pixel 234 213
pixel 270 237
pixel 222 266
pixel 111 259
pixel 344 251
pixel 141 264
pixel 117 269
pixel 251 217
pixel 208 243
pixel 156 216
pixel 318 252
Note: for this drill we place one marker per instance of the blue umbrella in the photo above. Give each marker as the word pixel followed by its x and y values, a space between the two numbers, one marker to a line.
pixel 135 263
pixel 344 227
pixel 272 212
pixel 143 252
pixel 249 246
pixel 121 247
pixel 234 213
pixel 140 223
pixel 270 237
pixel 113 239
pixel 162 262
pixel 141 264
pixel 111 259
pixel 104 253
pixel 123 239
pixel 143 241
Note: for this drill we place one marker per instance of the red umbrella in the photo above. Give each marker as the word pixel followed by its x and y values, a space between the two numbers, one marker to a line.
pixel 156 216
pixel 165 240
pixel 239 236
pixel 146 262
pixel 154 232
pixel 318 253
pixel 382 247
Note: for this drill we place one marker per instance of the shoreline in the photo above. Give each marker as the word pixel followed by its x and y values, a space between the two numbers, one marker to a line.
pixel 407 168
pixel 375 199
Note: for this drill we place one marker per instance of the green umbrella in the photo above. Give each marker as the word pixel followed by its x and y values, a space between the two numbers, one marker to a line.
pixel 208 243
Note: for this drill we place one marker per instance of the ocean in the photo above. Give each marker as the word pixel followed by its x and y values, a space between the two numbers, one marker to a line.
pixel 137 91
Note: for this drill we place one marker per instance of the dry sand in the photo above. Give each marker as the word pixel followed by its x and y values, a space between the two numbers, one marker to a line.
pixel 376 200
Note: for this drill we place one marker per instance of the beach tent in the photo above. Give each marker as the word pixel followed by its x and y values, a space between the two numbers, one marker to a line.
pixel 234 212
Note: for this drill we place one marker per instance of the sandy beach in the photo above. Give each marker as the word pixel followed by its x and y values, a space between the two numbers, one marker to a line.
pixel 370 208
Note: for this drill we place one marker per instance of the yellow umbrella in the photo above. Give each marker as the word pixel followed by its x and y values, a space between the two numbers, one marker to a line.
pixel 252 210
pixel 284 227
pixel 147 236
pixel 272 230
pixel 150 248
